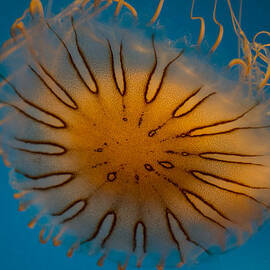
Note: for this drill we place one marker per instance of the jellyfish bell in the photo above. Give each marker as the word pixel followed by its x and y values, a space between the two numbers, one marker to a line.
pixel 136 149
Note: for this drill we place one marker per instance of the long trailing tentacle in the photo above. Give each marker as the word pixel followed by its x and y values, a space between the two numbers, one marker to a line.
pixel 202 31
pixel 253 51
pixel 221 30
pixel 157 12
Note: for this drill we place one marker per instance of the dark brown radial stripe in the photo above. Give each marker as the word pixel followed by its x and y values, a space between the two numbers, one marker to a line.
pixel 225 121
pixel 163 76
pixel 195 172
pixel 194 93
pixel 207 203
pixel 46 71
pixel 51 90
pixel 201 213
pixel 64 150
pixel 202 155
pixel 83 57
pixel 233 154
pixel 37 152
pixel 71 61
pixel 39 142
pixel 153 132
pixel 173 236
pixel 134 245
pixel 32 105
pixel 70 178
pixel 164 73
pixel 225 132
pixel 152 70
pixel 37 177
pixel 68 207
pixel 194 107
pixel 122 68
pixel 111 230
pixel 76 214
pixel 187 236
pixel 230 191
pixel 34 119
pixel 191 203
pixel 94 235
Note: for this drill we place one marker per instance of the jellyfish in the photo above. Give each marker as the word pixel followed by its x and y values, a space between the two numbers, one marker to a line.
pixel 128 146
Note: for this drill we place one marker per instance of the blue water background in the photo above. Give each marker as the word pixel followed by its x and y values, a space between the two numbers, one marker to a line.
pixel 20 247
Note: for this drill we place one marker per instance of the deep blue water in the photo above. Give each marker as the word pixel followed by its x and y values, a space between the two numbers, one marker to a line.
pixel 20 247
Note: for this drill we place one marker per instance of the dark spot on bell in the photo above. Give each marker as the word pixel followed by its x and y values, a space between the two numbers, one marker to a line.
pixel 170 152
pixel 166 164
pixel 111 176
pixel 148 167
pixel 125 119
pixel 152 133
pixel 182 135
pixel 137 178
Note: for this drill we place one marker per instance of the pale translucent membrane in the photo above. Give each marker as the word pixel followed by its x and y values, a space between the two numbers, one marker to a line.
pixel 133 148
